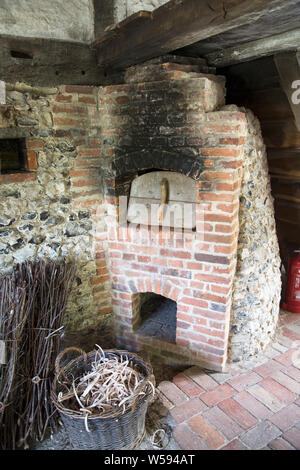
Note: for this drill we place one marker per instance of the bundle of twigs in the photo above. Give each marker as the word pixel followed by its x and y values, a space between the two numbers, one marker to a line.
pixel 46 287
pixel 111 385
pixel 14 311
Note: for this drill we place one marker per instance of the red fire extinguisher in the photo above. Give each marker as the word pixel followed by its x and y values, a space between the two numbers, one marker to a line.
pixel 292 300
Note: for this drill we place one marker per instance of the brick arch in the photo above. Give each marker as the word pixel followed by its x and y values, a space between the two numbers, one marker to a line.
pixel 186 163
pixel 156 286
pixel 123 169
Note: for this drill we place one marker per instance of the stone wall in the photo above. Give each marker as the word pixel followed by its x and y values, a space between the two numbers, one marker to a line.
pixel 49 211
pixel 257 284
pixel 70 20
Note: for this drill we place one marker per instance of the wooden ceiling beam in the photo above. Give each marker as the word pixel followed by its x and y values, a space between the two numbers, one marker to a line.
pixel 276 22
pixel 287 41
pixel 175 25
pixel 289 72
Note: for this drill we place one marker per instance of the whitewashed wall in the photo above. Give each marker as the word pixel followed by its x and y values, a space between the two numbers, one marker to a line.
pixel 125 8
pixel 137 5
pixel 68 20
pixel 71 20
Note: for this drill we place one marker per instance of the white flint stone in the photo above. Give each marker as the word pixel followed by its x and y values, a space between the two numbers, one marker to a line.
pixel 257 283
pixel 28 252
pixel 34 215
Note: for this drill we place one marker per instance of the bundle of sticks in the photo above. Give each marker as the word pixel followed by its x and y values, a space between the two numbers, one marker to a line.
pixel 32 303
pixel 14 312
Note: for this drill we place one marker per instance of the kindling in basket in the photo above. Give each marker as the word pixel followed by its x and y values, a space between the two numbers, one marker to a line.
pixel 102 398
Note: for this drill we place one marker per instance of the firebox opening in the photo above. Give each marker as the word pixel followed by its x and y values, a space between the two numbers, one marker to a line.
pixel 158 317
pixel 12 155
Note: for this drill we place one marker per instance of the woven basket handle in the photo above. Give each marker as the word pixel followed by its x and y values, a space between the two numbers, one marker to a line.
pixel 151 379
pixel 62 353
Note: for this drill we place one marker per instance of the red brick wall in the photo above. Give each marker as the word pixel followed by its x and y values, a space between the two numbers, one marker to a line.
pixel 76 116
pixel 163 125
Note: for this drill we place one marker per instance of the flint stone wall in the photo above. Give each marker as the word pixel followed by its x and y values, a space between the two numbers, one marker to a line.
pixel 257 283
pixel 51 215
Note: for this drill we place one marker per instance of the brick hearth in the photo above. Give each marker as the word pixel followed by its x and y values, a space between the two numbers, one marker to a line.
pixel 169 122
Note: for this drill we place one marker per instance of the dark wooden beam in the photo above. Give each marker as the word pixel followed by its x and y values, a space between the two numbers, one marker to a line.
pixel 276 22
pixel 289 72
pixel 177 24
pixel 289 40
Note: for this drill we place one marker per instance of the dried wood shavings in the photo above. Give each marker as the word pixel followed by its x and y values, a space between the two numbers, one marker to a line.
pixel 111 385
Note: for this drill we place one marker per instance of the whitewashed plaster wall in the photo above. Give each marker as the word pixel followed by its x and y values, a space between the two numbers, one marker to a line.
pixel 70 20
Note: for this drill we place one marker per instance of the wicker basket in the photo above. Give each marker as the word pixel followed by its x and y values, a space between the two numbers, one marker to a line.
pixel 117 431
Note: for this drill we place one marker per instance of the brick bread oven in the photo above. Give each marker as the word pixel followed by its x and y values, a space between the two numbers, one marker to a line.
pixel 92 153
pixel 170 116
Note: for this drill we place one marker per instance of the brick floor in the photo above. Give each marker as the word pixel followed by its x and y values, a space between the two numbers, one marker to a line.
pixel 242 381
pixel 255 405
pixel 260 436
pixel 236 444
pixel 233 409
pixel 280 444
pixel 293 373
pixel 187 439
pixel 266 397
pixel 282 393
pixel 293 437
pixel 284 378
pixel 209 433
pixel 187 385
pixel 286 418
pixel 285 358
pixel 223 422
pixel 217 394
pixel 187 410
pixel 265 370
pixel 172 393
pixel 201 378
